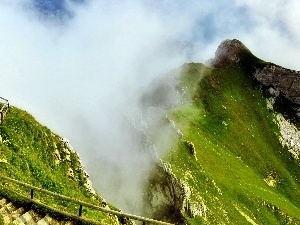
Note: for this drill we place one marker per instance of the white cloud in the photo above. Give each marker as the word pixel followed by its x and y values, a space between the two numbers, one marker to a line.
pixel 274 34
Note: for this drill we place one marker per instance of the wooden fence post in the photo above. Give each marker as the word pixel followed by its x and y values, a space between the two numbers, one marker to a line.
pixel 31 193
pixel 80 210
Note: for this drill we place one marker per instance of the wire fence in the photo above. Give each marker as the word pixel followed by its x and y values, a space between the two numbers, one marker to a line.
pixel 81 204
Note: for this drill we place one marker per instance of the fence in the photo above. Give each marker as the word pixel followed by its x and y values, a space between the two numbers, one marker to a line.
pixel 4 104
pixel 80 204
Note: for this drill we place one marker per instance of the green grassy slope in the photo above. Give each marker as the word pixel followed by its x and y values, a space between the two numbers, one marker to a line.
pixel 27 154
pixel 237 147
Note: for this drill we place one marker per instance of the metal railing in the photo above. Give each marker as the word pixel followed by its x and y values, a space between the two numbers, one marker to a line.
pixel 4 108
pixel 32 188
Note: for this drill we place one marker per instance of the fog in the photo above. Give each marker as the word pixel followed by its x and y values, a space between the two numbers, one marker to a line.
pixel 81 71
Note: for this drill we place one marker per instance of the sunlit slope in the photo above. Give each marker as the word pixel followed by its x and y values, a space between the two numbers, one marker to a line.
pixel 31 153
pixel 241 171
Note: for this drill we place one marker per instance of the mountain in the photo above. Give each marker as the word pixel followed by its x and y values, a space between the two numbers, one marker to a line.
pixel 224 141
pixel 234 142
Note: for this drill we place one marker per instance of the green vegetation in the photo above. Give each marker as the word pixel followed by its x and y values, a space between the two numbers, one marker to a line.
pixel 230 154
pixel 29 153
pixel 242 172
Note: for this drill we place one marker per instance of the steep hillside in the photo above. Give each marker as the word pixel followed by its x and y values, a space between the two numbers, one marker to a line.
pixel 228 161
pixel 225 140
pixel 31 153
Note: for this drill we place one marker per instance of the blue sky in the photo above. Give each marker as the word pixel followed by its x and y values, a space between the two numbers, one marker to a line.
pixel 90 59
pixel 207 22
pixel 57 9
pixel 50 6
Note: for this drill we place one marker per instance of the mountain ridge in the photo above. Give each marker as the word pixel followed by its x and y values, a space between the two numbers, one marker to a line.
pixel 232 154
pixel 233 163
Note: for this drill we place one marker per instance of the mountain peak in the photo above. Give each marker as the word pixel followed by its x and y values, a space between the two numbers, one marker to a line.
pixel 227 52
pixel 270 76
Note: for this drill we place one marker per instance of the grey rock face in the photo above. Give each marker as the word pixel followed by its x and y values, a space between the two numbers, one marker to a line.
pixel 286 81
pixel 169 191
pixel 179 194
pixel 289 136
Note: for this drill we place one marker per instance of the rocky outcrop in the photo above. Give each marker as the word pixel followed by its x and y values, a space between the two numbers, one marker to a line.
pixel 289 136
pixel 283 80
pixel 191 148
pixel 171 197
pixel 76 168
pixel 227 52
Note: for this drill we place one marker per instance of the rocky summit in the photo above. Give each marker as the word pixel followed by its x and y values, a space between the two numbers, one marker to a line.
pixel 228 51
pixel 282 80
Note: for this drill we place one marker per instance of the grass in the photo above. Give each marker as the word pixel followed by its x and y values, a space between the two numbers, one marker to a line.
pixel 224 116
pixel 237 146
pixel 27 154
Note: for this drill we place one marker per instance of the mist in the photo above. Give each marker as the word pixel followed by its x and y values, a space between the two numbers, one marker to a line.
pixel 82 71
